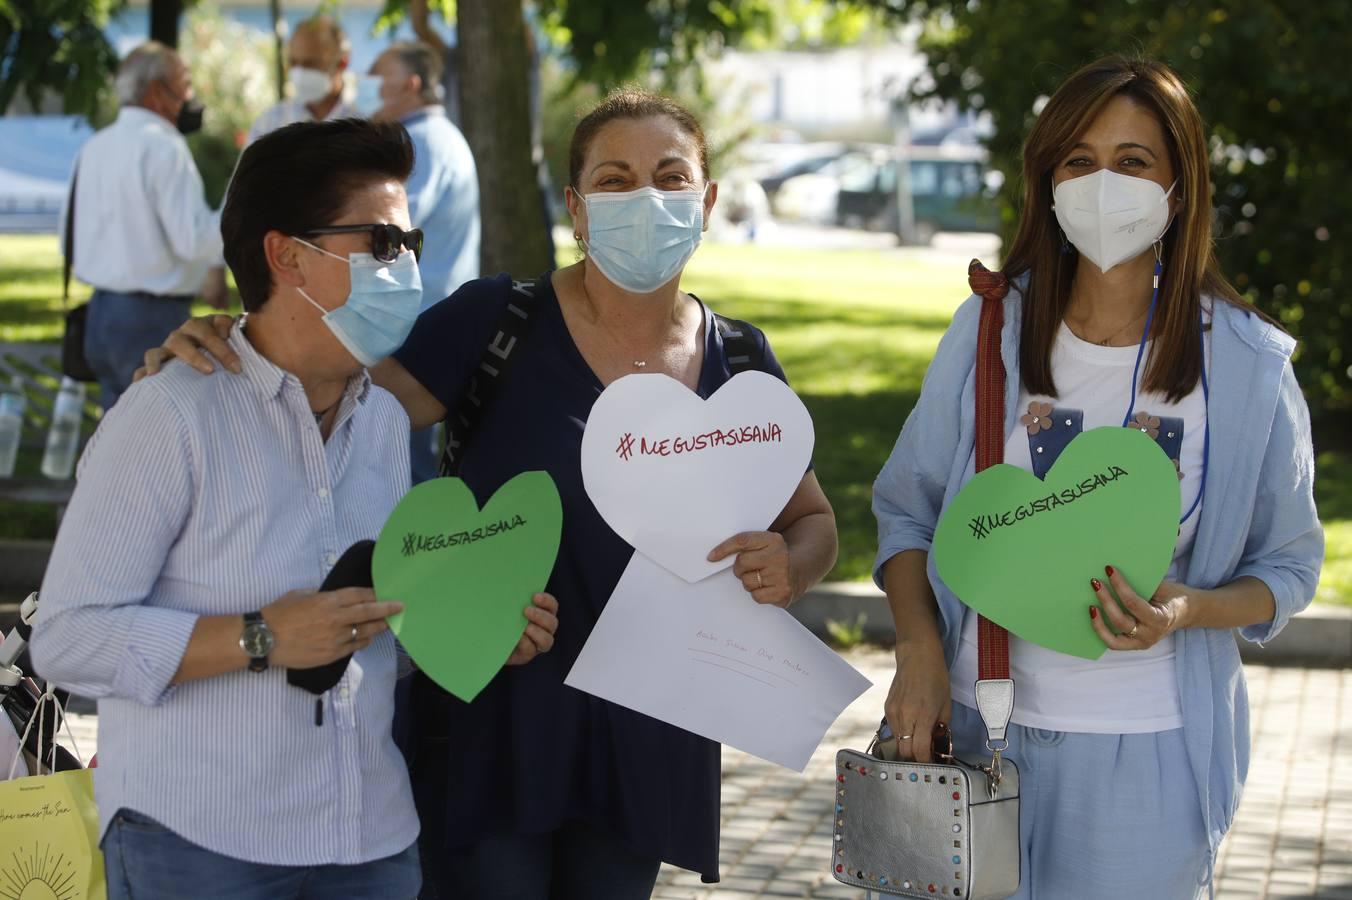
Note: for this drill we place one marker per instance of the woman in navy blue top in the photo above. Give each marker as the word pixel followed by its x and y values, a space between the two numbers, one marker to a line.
pixel 537 790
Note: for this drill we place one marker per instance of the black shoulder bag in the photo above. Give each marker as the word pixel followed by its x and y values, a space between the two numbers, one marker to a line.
pixel 73 362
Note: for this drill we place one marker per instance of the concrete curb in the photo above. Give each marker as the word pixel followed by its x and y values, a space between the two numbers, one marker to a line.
pixel 1319 636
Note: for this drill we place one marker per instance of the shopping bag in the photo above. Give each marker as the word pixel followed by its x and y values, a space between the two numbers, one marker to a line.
pixel 49 825
pixel 49 829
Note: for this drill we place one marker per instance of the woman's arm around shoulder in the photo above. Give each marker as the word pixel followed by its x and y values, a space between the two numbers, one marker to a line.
pixel 430 372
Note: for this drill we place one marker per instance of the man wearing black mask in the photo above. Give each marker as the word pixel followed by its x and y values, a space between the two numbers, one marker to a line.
pixel 136 225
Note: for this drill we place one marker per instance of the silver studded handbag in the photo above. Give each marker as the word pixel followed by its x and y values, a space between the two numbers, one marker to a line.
pixel 951 828
pixel 945 829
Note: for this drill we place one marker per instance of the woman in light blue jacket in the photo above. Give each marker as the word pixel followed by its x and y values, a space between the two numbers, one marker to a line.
pixel 1131 765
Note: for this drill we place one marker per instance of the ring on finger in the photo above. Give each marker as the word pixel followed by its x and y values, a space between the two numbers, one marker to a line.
pixel 353 639
pixel 1134 628
pixel 760 582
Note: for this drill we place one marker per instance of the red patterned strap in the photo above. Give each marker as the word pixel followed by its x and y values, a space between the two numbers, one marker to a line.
pixel 992 640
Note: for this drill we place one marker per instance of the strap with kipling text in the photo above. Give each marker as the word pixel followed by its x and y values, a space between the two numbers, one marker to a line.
pixel 498 359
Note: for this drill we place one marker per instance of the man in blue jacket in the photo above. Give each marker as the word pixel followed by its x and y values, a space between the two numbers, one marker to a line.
pixel 443 192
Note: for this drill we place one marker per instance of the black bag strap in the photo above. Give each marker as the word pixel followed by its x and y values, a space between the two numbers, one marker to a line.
pixel 70 238
pixel 497 361
pixel 741 350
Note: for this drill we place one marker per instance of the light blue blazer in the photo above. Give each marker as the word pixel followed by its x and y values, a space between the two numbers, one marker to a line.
pixel 1258 517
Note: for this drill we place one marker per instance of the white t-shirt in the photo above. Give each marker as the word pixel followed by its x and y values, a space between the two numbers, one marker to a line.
pixel 1124 691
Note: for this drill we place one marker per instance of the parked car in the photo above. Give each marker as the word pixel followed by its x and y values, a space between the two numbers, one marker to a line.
pixel 951 190
pixel 806 159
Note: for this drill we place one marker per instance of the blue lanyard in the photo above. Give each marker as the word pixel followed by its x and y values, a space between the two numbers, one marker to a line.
pixel 1206 389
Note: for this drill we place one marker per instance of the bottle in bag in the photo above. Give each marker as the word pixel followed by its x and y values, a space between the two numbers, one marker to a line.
pixel 63 438
pixel 12 403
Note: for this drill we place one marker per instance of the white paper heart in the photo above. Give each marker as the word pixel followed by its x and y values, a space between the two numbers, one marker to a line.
pixel 676 475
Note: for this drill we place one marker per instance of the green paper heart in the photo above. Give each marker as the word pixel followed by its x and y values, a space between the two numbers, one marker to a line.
pixel 465 575
pixel 1021 551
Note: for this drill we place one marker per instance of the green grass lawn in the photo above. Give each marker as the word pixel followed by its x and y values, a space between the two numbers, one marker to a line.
pixel 854 330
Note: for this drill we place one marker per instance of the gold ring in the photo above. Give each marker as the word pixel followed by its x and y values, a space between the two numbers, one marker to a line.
pixel 1132 633
pixel 760 582
pixel 905 737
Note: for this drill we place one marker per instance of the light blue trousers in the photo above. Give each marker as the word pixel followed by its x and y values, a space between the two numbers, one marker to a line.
pixel 1102 816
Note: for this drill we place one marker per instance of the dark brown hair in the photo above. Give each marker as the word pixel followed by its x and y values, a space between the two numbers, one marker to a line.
pixel 298 178
pixel 1190 266
pixel 632 103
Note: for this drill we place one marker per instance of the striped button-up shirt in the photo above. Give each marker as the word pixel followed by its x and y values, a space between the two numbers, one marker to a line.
pixel 210 495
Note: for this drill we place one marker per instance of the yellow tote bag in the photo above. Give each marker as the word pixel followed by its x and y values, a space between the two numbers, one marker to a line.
pixel 49 838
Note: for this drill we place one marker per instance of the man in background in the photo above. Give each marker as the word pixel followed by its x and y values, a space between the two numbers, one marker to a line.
pixel 443 191
pixel 136 225
pixel 317 56
pixel 420 17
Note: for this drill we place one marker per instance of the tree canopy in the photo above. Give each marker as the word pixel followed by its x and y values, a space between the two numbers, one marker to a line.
pixel 1266 79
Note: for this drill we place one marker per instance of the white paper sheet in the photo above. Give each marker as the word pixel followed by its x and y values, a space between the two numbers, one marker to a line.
pixel 707 658
pixel 676 475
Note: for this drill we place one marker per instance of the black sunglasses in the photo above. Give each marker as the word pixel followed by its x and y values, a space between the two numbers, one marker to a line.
pixel 386 240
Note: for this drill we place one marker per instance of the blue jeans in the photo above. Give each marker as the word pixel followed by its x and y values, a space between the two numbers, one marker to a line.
pixel 146 861
pixel 576 862
pixel 120 329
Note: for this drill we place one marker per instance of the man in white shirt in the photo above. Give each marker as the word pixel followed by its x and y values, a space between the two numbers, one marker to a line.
pixel 140 231
pixel 317 56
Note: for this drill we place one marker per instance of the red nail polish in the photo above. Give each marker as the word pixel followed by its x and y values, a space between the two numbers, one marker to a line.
pixel 1093 612
pixel 1096 584
pixel 1109 570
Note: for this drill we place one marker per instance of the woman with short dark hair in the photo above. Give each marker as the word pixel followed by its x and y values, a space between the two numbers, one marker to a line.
pixel 1117 315
pixel 182 584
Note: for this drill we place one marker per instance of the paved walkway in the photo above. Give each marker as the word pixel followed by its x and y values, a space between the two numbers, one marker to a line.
pixel 1292 838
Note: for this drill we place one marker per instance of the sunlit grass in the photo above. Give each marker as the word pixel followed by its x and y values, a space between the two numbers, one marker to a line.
pixel 854 330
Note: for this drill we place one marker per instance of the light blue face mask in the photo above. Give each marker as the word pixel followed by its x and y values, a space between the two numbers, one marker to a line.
pixel 642 239
pixel 367 100
pixel 381 307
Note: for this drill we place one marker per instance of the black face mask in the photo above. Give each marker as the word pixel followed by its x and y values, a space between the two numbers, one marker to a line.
pixel 190 117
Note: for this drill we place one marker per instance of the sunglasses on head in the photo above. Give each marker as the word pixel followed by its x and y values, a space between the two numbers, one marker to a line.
pixel 386 240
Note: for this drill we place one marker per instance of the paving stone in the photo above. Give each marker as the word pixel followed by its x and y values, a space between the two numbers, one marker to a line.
pixel 1289 839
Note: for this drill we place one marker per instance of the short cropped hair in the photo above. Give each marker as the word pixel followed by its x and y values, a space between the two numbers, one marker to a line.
pixel 422 60
pixel 298 178
pixel 148 63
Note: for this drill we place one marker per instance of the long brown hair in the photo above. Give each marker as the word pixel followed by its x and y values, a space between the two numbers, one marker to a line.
pixel 1190 266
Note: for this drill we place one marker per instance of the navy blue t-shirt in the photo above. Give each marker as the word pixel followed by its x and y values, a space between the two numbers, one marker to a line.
pixel 531 753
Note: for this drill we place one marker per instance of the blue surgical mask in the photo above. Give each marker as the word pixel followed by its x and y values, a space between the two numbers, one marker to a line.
pixel 381 308
pixel 367 100
pixel 642 239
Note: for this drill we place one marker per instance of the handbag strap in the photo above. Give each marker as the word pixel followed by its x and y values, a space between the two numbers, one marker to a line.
pixel 498 358
pixel 69 261
pixel 994 688
pixel 740 350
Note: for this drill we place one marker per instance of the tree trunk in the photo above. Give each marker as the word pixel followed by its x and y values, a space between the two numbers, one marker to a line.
pixel 279 44
pixel 164 16
pixel 495 115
